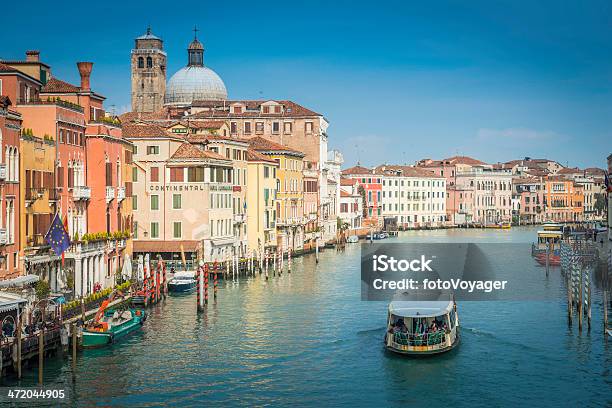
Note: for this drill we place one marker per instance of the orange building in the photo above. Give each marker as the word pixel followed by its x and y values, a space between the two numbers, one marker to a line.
pixel 10 204
pixel 563 199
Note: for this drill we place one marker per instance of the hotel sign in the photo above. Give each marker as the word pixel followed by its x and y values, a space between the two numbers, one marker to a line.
pixel 180 187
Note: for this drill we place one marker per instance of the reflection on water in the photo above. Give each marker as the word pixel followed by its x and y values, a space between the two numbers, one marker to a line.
pixel 306 338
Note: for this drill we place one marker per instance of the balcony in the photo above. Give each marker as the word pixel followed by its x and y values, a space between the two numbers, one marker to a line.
pixel 239 218
pixel 34 193
pixel 3 236
pixel 120 193
pixel 2 171
pixel 81 192
pixel 110 194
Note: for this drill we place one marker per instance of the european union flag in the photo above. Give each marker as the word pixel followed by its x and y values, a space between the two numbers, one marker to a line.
pixel 57 236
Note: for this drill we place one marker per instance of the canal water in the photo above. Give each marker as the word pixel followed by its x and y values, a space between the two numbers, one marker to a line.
pixel 306 339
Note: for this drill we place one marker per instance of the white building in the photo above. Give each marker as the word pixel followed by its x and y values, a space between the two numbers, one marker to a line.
pixel 351 205
pixel 412 197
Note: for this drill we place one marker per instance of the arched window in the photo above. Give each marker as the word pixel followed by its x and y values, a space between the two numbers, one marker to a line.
pixel 149 62
pixel 140 62
pixel 7 162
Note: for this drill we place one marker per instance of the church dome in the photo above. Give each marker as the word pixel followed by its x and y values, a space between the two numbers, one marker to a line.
pixel 195 81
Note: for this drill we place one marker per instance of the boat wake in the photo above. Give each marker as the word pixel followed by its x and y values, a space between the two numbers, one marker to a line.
pixel 499 339
pixel 370 331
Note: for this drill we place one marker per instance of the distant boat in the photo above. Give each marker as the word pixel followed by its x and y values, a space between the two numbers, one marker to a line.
pixel 182 282
pixel 410 327
pixel 352 239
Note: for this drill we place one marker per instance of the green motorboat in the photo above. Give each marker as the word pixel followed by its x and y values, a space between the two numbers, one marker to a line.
pixel 113 324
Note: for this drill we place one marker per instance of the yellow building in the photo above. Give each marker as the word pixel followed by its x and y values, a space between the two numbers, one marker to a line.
pixel 261 201
pixel 290 219
pixel 39 196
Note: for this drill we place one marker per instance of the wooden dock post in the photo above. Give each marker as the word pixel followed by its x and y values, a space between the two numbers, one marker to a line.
pixel 289 261
pixel 605 308
pixel 274 264
pixel 589 304
pixel 580 301
pixel 317 250
pixel 282 260
pixel 547 258
pixel 200 287
pixel 215 281
pixel 206 284
pixel 570 310
pixel 19 325
pixel 266 264
pixel 41 354
pixel 75 340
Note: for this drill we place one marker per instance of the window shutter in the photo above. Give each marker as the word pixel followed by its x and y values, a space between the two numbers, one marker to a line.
pixel 109 174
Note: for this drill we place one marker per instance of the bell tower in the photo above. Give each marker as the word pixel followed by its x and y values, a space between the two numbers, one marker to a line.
pixel 148 73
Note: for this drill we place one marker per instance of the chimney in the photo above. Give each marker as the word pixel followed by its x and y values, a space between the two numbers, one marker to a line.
pixel 85 71
pixel 33 56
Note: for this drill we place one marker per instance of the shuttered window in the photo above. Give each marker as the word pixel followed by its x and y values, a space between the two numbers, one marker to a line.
pixel 155 174
pixel 109 174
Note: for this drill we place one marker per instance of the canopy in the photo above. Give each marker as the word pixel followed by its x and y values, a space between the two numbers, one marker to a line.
pixel 19 281
pixel 126 271
pixel 9 301
pixel 425 308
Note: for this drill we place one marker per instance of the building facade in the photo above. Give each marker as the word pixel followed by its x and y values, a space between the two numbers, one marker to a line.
pixel 261 202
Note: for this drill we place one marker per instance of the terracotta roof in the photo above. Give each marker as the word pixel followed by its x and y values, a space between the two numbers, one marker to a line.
pixel 348 181
pixel 463 160
pixel 221 108
pixel 164 246
pixel 195 138
pixel 144 130
pixel 357 170
pixel 191 151
pixel 264 145
pixel 55 85
pixel 404 171
pixel 595 171
pixel 136 116
pixel 254 156
pixel 6 68
pixel 570 170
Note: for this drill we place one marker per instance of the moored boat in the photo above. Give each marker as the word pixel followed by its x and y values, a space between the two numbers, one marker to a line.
pixel 352 239
pixel 182 282
pixel 422 327
pixel 113 325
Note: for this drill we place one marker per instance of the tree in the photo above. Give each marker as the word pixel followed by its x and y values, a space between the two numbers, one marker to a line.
pixel 362 193
pixel 42 289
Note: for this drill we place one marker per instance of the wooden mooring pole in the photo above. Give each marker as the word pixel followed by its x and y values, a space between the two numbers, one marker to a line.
pixel 41 354
pixel 19 347
pixel 580 301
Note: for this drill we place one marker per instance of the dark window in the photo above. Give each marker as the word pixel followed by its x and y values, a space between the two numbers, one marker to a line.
pixel 155 174
pixel 109 174
pixel 140 62
pixel 149 62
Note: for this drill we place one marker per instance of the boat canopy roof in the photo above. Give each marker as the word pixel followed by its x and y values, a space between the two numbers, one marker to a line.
pixel 424 308
pixel 549 226
pixel 550 234
pixel 184 275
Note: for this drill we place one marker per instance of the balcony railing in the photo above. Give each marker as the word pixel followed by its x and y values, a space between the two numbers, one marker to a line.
pixel 81 192
pixel 120 193
pixel 110 194
pixel 239 218
pixel 3 236
pixel 2 171
pixel 34 193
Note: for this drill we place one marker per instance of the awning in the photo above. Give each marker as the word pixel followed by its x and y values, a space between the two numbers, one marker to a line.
pixel 19 281
pixel 165 246
pixel 9 301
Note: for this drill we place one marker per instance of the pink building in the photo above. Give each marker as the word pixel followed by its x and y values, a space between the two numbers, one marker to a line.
pixel 372 185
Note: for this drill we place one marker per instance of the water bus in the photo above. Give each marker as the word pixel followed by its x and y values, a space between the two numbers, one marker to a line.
pixel 418 328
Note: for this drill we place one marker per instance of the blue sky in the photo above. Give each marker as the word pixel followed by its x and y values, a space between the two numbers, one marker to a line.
pixel 398 82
